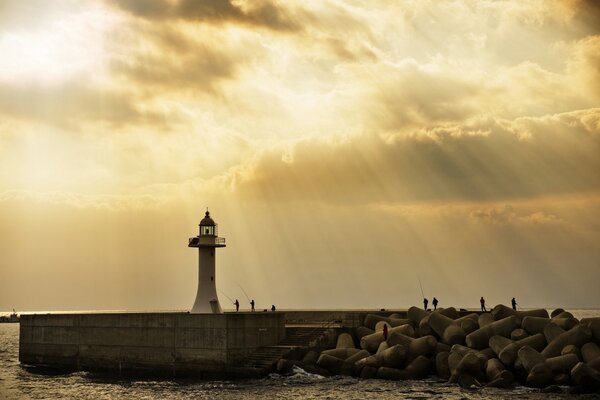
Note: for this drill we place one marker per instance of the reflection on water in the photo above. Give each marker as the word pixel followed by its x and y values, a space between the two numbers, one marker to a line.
pixel 17 383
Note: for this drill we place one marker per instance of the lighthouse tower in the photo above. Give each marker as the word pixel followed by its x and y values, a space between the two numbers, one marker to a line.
pixel 206 242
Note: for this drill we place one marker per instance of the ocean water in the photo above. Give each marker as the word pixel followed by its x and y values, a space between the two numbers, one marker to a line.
pixel 18 383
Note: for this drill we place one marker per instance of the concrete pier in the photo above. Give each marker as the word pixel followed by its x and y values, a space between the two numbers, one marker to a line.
pixel 200 345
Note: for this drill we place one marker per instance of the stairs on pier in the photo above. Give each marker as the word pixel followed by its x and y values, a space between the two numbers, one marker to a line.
pixel 264 359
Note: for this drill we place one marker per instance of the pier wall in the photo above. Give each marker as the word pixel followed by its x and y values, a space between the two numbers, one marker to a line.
pixel 177 343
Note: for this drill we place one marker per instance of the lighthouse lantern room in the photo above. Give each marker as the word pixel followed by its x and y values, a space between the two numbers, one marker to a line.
pixel 207 241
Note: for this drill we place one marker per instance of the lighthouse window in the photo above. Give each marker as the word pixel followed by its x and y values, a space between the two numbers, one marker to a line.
pixel 208 230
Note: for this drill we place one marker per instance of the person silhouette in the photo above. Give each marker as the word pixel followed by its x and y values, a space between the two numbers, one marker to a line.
pixel 273 307
pixel 482 301
pixel 435 303
pixel 514 303
pixel 252 305
pixel 425 302
pixel 237 305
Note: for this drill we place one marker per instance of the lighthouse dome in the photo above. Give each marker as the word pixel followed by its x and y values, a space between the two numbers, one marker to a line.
pixel 207 220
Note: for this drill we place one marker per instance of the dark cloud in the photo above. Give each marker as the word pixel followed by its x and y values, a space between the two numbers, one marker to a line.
pixel 264 13
pixel 586 14
pixel 73 103
pixel 486 160
pixel 183 63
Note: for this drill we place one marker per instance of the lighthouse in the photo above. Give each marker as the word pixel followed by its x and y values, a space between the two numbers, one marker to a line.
pixel 207 241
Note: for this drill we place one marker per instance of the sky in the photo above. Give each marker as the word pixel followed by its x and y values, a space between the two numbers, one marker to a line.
pixel 350 151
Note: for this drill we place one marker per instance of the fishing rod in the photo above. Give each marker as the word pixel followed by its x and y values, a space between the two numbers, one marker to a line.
pixel 244 292
pixel 421 286
pixel 230 299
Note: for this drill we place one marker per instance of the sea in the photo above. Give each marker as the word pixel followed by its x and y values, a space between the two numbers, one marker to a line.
pixel 19 383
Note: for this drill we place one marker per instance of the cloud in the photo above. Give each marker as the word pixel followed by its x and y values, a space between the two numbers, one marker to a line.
pixel 166 57
pixel 485 158
pixel 263 14
pixel 508 215
pixel 75 103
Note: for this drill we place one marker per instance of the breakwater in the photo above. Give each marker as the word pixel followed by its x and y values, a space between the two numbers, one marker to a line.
pixel 173 344
pixel 501 348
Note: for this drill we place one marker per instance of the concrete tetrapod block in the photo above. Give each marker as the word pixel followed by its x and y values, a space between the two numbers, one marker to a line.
pixel 479 339
pixel 498 343
pixel 594 324
pixel 561 379
pixel 390 374
pixel 469 323
pixel 368 372
pixel 380 324
pixel 565 323
pixel 399 321
pixel 310 357
pixel 467 381
pixel 442 367
pixel 562 364
pixel 470 364
pixel 357 356
pixel 453 360
pixel 552 331
pixel 418 368
pixel 424 329
pixel 572 349
pixel 501 311
pixel 423 346
pixel 382 346
pixel 509 354
pixel 484 319
pixel 497 375
pixel 542 374
pixel 585 376
pixel 370 361
pixel 345 341
pixel 372 319
pixel 462 350
pixel 562 314
pixel 441 347
pixel 556 312
pixel 518 334
pixel 416 314
pixel 590 351
pixel 362 331
pixel 394 356
pixel 371 342
pixel 449 312
pixel 335 365
pixel 534 325
pixel 486 354
pixel 595 363
pixel 342 353
pixel 447 329
pixel 530 357
pixel 577 336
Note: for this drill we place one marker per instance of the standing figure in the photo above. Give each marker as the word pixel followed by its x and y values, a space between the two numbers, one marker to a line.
pixel 273 307
pixel 514 304
pixel 425 302
pixel 252 305
pixel 237 305
pixel 482 301
pixel 435 303
pixel 385 331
